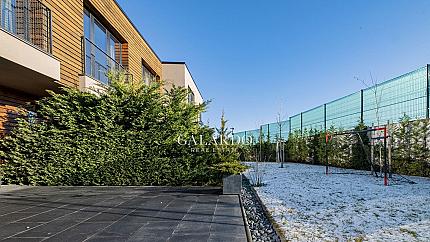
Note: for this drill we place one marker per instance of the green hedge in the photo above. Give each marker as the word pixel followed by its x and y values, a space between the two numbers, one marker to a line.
pixel 410 148
pixel 125 136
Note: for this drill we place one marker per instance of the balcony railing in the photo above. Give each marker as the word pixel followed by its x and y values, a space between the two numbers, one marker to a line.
pixel 97 63
pixel 28 20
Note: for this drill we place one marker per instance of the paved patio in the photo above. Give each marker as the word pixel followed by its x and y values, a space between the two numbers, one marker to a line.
pixel 119 214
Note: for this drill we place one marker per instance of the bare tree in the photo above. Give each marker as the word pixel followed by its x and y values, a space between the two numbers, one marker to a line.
pixel 258 181
pixel 377 91
pixel 280 143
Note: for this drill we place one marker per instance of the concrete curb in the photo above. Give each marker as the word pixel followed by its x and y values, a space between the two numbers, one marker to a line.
pixel 11 188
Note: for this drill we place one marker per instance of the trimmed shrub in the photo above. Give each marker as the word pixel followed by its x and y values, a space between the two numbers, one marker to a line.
pixel 127 135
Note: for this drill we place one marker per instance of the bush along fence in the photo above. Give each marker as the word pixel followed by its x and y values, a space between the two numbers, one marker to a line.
pixel 405 98
pixel 408 148
pixel 127 135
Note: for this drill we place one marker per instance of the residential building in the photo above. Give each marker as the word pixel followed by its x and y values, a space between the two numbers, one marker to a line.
pixel 49 44
pixel 177 74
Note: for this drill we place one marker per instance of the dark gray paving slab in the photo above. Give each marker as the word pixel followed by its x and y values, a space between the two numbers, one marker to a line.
pixel 23 239
pixel 14 228
pixel 119 214
pixel 189 237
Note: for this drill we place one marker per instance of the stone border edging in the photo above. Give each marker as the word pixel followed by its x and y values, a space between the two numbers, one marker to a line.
pixel 275 225
pixel 245 221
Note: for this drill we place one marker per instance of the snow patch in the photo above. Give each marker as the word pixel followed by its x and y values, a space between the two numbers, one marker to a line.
pixel 312 206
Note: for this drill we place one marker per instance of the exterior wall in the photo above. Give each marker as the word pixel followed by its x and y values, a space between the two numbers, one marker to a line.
pixel 67 31
pixel 174 75
pixel 88 84
pixel 189 82
pixel 68 28
pixel 178 74
pixel 28 56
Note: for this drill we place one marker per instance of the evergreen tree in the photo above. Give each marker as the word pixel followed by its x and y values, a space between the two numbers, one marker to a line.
pixel 402 144
pixel 223 131
pixel 292 146
pixel 360 148
pixel 313 146
pixel 127 135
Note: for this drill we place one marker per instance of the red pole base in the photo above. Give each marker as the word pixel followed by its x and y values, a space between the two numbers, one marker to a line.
pixel 385 180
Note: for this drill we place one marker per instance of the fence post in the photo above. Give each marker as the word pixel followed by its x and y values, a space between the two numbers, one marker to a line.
pixel 301 123
pixel 325 117
pixel 427 92
pixel 427 103
pixel 289 125
pixel 362 107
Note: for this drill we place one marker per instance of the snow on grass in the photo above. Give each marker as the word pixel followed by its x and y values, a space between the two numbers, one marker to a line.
pixel 311 206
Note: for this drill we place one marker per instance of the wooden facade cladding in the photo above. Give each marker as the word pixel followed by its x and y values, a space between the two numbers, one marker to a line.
pixel 67 31
pixel 68 28
pixel 10 101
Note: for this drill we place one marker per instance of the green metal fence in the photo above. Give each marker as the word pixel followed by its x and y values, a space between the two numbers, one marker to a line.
pixel 385 102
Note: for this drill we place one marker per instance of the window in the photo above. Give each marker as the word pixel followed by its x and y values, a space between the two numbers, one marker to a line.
pixel 7 15
pixel 102 50
pixel 191 98
pixel 147 75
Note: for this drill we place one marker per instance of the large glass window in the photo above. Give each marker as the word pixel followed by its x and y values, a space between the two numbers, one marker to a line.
pixel 191 97
pixel 102 49
pixel 147 75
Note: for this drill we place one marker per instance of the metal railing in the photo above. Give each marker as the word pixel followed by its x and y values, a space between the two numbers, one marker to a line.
pixel 28 20
pixel 96 63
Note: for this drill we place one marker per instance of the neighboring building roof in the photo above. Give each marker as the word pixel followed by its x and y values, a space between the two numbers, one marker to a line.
pixel 173 62
pixel 186 66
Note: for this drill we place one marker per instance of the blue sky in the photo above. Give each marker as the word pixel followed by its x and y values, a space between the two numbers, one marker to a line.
pixel 254 59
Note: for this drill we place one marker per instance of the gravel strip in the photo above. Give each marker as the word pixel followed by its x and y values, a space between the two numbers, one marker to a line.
pixel 259 225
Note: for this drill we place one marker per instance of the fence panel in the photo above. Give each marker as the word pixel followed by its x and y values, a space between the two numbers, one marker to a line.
pixel 344 113
pixel 295 122
pixel 313 119
pixel 278 130
pixel 391 100
pixel 388 101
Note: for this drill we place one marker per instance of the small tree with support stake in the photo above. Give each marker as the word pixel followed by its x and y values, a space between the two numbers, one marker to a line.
pixel 280 143
pixel 329 140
